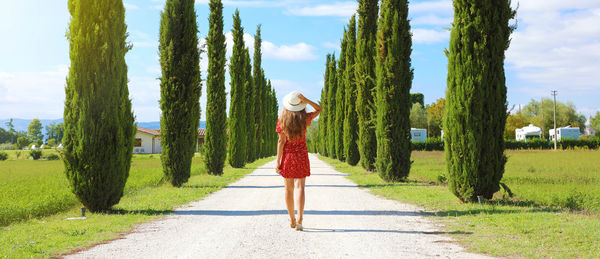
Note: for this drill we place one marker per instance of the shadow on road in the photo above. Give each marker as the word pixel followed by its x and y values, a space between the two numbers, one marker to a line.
pixel 281 186
pixel 308 178
pixel 320 230
pixel 307 212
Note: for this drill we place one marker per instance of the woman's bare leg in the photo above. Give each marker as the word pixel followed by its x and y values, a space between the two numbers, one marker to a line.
pixel 300 197
pixel 289 198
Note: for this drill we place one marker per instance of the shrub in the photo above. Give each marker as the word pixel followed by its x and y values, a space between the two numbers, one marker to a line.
pixel 35 154
pixel 52 157
pixel 3 156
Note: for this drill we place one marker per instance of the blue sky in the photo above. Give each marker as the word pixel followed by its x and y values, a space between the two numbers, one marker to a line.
pixel 556 47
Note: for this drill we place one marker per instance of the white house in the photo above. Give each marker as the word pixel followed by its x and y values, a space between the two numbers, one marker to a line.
pixel 528 132
pixel 147 141
pixel 418 135
pixel 565 132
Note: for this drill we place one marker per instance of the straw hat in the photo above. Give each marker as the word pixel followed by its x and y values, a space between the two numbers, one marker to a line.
pixel 291 102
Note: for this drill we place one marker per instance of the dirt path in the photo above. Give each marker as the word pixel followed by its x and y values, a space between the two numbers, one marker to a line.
pixel 248 219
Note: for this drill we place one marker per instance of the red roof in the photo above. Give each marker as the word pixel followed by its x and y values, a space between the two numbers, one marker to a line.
pixel 149 131
pixel 156 132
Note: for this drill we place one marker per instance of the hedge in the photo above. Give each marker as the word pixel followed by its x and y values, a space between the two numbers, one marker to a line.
pixel 436 144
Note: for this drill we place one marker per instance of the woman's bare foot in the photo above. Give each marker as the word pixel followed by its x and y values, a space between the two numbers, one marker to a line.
pixel 293 223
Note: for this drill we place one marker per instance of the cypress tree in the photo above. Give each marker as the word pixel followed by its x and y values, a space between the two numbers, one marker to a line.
pixel 324 111
pixel 216 117
pixel 476 97
pixel 351 153
pixel 274 110
pixel 180 89
pixel 237 113
pixel 249 108
pixel 256 100
pixel 339 100
pixel 394 79
pixel 263 125
pixel 98 122
pixel 331 105
pixel 365 81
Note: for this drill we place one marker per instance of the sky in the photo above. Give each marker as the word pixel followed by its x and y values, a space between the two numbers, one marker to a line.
pixel 556 47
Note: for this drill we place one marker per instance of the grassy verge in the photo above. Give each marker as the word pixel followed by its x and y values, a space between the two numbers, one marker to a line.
pixel 144 200
pixel 504 227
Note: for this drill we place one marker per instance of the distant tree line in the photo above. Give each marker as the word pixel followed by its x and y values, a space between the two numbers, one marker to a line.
pixel 33 135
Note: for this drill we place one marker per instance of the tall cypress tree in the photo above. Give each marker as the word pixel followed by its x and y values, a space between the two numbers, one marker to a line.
pixel 394 79
pixel 476 97
pixel 365 81
pixel 324 111
pixel 265 108
pixel 180 89
pixel 99 129
pixel 215 145
pixel 351 153
pixel 237 113
pixel 331 105
pixel 274 110
pixel 257 112
pixel 249 107
pixel 340 102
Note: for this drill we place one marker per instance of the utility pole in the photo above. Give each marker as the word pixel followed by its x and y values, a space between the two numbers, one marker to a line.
pixel 555 135
pixel 542 112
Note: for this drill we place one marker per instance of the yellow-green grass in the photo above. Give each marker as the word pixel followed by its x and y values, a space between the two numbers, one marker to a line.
pixel 46 234
pixel 563 179
pixel 503 227
pixel 34 188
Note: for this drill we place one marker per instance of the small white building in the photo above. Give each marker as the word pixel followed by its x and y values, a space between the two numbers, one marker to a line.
pixel 147 141
pixel 528 132
pixel 418 135
pixel 564 132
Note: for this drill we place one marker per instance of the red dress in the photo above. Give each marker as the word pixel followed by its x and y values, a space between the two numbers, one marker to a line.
pixel 294 158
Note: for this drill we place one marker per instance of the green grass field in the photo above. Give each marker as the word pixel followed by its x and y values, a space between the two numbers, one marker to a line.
pixel 565 179
pixel 36 200
pixel 547 218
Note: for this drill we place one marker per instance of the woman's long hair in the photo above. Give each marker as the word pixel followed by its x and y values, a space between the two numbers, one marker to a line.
pixel 293 124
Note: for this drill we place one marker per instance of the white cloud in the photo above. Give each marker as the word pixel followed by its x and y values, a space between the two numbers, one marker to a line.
pixel 345 9
pixel 295 52
pixel 33 94
pixel 557 47
pixel 427 36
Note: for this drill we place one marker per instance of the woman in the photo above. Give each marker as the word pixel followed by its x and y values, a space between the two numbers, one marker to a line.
pixel 292 154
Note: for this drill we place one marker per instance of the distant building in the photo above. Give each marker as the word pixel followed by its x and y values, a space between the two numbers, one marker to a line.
pixel 588 128
pixel 418 135
pixel 528 132
pixel 564 133
pixel 147 141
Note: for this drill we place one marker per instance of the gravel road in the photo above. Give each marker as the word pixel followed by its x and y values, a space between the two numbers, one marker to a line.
pixel 247 219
